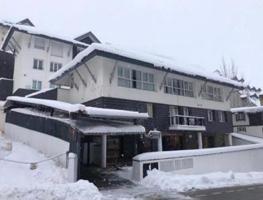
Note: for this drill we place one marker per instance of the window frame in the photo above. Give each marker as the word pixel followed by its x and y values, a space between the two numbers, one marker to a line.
pixel 37 43
pixel 179 87
pixel 37 65
pixel 36 84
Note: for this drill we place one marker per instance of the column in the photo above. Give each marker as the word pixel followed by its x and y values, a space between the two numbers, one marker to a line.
pixel 72 167
pixel 104 151
pixel 230 141
pixel 200 141
pixel 160 142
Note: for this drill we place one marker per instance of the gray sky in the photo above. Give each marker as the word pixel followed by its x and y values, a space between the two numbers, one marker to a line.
pixel 197 32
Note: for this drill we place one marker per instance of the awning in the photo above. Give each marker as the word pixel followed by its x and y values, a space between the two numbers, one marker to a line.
pixel 102 127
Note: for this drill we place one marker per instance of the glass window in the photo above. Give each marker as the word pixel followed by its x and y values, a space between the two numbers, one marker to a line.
pixel 210 115
pixel 55 66
pixel 240 116
pixel 38 64
pixel 135 79
pixel 212 93
pixel 39 43
pixel 36 85
pixel 179 87
pixel 221 116
pixel 56 49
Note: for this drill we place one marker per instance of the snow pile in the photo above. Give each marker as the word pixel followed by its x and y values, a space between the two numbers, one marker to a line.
pixel 183 183
pixel 81 190
pixel 47 181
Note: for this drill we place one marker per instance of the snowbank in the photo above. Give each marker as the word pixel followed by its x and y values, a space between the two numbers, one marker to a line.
pixel 47 181
pixel 183 183
pixel 82 190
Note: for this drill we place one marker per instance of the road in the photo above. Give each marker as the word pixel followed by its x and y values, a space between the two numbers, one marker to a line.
pixel 253 192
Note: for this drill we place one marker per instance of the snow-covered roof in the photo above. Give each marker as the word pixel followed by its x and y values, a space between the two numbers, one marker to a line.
pixel 79 108
pixel 41 33
pixel 248 138
pixel 253 109
pixel 44 90
pixel 155 61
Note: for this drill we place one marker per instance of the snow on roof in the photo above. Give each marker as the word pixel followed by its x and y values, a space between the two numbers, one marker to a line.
pixel 36 31
pixel 71 108
pixel 156 61
pixel 108 127
pixel 253 109
pixel 39 92
pixel 76 108
pixel 150 156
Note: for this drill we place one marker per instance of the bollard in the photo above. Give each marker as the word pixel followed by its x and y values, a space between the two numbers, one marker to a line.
pixel 72 167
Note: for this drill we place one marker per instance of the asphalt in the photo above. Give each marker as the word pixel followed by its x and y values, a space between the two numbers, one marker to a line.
pixel 252 192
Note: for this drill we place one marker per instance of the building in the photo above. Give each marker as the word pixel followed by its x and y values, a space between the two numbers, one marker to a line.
pixel 248 120
pixel 100 137
pixel 37 54
pixel 189 107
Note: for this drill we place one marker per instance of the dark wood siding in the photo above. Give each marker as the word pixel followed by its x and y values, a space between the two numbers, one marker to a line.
pixel 6 65
pixel 160 118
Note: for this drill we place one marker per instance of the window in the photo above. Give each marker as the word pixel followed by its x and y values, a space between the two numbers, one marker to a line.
pixel 178 87
pixel 212 93
pixel 150 109
pixel 36 85
pixel 38 64
pixel 221 116
pixel 55 66
pixel 240 116
pixel 135 79
pixel 56 49
pixel 39 43
pixel 124 77
pixel 148 81
pixel 241 129
pixel 210 115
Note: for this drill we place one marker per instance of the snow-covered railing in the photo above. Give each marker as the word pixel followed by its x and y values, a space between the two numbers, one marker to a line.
pixel 243 158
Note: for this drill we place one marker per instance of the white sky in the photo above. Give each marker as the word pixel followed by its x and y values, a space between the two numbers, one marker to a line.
pixel 197 32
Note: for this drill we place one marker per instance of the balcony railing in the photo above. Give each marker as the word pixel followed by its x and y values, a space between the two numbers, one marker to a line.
pixel 182 122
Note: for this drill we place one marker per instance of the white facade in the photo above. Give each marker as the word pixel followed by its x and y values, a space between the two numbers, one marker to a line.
pixel 105 84
pixel 24 72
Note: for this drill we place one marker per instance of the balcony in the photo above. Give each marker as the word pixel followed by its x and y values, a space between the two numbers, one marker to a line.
pixel 187 123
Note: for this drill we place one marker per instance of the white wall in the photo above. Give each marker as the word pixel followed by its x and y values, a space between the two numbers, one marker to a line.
pixel 48 145
pixel 103 67
pixel 24 72
pixel 256 131
pixel 238 159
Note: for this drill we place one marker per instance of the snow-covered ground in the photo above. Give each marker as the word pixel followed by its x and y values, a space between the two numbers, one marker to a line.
pixel 47 181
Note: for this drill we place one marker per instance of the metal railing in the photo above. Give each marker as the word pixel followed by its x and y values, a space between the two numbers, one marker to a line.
pixel 184 120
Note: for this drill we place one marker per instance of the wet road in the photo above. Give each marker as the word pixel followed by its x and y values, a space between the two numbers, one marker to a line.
pixel 252 192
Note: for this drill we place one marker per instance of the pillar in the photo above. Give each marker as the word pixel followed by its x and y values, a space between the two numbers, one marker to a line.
pixel 160 142
pixel 103 151
pixel 230 141
pixel 72 167
pixel 200 141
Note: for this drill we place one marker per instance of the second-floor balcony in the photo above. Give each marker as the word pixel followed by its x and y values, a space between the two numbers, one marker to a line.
pixel 191 123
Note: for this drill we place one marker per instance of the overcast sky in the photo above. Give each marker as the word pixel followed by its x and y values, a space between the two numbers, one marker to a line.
pixel 199 32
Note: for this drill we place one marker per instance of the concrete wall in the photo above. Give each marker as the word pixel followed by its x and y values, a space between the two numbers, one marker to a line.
pixel 256 131
pixel 47 144
pixel 238 159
